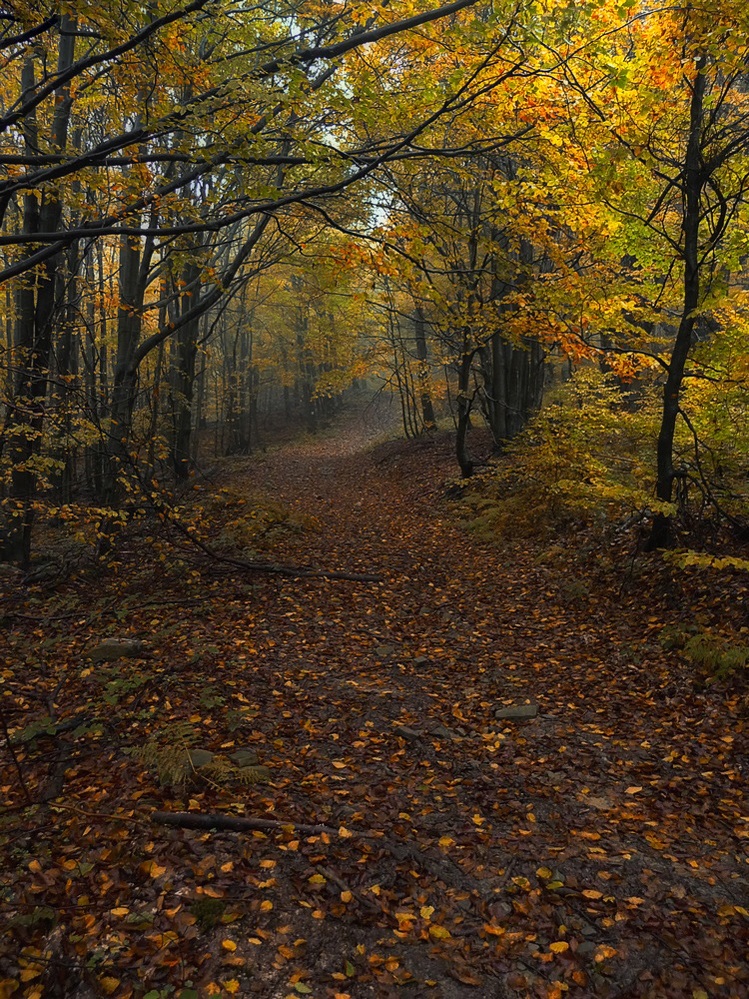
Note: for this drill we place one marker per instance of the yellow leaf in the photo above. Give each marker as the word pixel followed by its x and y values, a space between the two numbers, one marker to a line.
pixel 232 986
pixel 559 946
pixel 345 833
pixel 633 790
pixel 317 879
pixel 545 873
pixel 592 893
pixel 439 932
pixel 426 911
pixel 495 931
pixel 339 765
pixel 7 988
pixel 445 841
pixel 604 952
pixel 121 910
pixel 228 945
pixel 266 906
pixel 346 896
pixel 28 973
pixel 152 869
pixel 267 864
pixel 109 984
pixel 35 867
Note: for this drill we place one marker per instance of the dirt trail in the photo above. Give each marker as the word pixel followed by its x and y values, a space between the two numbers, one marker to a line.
pixel 594 850
pixel 617 803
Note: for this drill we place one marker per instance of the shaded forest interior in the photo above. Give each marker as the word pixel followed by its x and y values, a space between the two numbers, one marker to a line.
pixel 374 504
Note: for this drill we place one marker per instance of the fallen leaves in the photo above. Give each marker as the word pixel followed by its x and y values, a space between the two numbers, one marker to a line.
pixel 486 861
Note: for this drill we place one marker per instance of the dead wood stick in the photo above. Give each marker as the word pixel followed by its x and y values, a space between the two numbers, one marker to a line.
pixel 295 572
pixel 236 823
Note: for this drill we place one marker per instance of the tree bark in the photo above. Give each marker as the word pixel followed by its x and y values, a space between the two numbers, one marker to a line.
pixel 661 535
pixel 36 311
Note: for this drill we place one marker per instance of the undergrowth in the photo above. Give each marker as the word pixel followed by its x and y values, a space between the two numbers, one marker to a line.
pixel 586 459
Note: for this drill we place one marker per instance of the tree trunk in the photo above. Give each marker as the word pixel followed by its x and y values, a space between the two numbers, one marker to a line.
pixel 35 318
pixel 465 403
pixel 185 351
pixel 662 531
pixel 427 408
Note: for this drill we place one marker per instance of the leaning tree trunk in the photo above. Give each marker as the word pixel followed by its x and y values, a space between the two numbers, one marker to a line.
pixel 662 532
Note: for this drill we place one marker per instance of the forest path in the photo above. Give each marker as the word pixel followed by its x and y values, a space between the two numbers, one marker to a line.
pixel 604 802
pixel 594 850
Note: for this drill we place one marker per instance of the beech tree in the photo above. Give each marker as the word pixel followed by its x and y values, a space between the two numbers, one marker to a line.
pixel 664 132
pixel 112 144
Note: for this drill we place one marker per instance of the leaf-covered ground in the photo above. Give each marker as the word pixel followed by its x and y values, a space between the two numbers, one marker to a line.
pixel 597 849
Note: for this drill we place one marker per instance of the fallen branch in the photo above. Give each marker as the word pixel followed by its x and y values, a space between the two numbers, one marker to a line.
pixel 296 572
pixel 235 823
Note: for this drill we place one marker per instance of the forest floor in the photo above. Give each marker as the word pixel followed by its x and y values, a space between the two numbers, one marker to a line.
pixel 416 843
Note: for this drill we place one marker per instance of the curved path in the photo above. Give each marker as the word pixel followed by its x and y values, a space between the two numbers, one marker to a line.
pixel 594 848
pixel 595 845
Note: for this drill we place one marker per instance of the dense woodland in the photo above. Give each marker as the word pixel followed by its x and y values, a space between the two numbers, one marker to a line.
pixel 374 498
pixel 216 217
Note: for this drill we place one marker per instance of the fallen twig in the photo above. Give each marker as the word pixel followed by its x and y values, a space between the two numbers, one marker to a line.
pixel 295 572
pixel 235 823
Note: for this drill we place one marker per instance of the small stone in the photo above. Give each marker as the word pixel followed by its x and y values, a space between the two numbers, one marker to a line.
pixel 200 758
pixel 244 757
pixel 421 660
pixel 441 732
pixel 517 712
pixel 117 648
pixel 586 949
pixel 408 733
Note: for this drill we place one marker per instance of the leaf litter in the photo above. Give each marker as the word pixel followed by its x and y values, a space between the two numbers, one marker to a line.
pixel 408 840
